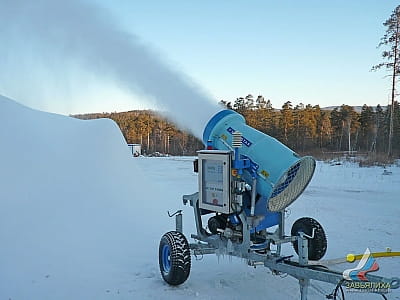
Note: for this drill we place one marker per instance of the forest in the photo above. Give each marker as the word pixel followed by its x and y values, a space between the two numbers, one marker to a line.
pixel 307 129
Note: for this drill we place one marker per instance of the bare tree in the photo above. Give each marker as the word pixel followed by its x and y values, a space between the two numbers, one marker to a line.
pixel 391 39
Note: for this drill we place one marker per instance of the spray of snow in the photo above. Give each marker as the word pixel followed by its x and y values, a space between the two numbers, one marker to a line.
pixel 61 37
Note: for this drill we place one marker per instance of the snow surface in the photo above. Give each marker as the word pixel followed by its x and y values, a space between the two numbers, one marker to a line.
pixel 81 219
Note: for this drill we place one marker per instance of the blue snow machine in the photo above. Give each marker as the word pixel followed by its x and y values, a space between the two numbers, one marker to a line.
pixel 246 181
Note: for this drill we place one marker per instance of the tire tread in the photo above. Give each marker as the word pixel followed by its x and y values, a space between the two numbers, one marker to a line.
pixel 180 258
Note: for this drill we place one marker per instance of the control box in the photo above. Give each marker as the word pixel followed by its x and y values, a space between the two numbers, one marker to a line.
pixel 214 168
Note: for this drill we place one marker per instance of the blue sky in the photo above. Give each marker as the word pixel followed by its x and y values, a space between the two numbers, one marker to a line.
pixel 317 52
pixel 313 52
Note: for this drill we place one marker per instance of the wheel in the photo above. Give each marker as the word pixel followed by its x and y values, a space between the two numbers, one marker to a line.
pixel 316 246
pixel 174 258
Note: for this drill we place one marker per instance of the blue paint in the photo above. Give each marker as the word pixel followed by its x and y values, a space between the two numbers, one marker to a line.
pixel 234 219
pixel 213 121
pixel 270 219
pixel 166 258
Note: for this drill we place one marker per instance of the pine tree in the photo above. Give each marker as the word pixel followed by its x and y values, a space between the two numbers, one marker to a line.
pixel 310 124
pixel 337 128
pixel 239 105
pixel 325 130
pixel 367 124
pixel 350 125
pixel 265 115
pixel 298 116
pixel 391 56
pixel 287 120
pixel 249 102
pixel 396 129
pixel 260 102
pixel 225 104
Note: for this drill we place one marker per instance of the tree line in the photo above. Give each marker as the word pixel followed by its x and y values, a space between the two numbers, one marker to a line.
pixel 310 129
pixel 306 129
pixel 153 132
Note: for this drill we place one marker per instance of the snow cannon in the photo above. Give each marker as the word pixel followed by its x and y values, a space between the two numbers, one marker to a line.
pixel 281 174
pixel 246 181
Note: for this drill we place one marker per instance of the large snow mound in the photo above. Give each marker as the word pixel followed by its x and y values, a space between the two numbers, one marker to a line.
pixel 67 206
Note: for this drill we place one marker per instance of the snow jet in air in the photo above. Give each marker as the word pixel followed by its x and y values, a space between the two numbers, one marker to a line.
pixel 60 38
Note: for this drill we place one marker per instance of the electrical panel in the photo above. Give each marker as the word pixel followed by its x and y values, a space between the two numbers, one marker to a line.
pixel 215 180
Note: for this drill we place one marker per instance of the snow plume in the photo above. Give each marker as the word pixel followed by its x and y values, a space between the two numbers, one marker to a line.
pixel 59 38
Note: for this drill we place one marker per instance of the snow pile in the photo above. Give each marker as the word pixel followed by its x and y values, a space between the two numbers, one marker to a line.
pixel 68 211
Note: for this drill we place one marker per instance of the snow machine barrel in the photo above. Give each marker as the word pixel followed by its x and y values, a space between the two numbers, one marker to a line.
pixel 282 175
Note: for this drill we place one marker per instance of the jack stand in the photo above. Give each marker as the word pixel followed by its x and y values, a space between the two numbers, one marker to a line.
pixel 303 261
pixel 178 220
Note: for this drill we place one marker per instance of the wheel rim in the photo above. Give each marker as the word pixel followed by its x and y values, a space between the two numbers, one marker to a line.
pixel 166 258
pixel 318 244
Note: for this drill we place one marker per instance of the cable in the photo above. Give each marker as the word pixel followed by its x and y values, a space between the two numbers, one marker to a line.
pixel 384 297
pixel 334 294
pixel 341 290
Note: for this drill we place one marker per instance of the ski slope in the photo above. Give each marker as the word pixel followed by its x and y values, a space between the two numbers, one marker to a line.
pixel 81 219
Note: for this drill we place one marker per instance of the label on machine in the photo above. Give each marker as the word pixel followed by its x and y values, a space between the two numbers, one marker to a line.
pixel 213 192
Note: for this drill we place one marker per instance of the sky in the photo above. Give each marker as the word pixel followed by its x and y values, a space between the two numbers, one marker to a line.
pixel 311 52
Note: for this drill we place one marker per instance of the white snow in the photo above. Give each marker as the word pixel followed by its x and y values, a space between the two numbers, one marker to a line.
pixel 81 219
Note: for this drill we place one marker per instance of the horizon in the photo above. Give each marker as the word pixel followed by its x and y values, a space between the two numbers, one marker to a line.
pixel 357 108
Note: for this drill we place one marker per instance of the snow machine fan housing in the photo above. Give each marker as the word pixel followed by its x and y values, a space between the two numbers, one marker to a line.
pixel 283 175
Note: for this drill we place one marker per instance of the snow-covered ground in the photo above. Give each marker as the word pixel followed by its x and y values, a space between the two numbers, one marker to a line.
pixel 81 219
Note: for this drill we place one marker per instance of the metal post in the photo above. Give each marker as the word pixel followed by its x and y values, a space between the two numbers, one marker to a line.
pixel 253 197
pixel 178 222
pixel 244 247
pixel 197 216
pixel 178 219
pixel 302 243
pixel 281 231
pixel 304 283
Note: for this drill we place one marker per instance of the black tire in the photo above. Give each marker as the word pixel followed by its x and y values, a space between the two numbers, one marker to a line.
pixel 316 246
pixel 174 258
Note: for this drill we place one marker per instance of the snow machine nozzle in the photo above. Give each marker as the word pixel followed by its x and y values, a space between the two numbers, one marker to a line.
pixel 282 175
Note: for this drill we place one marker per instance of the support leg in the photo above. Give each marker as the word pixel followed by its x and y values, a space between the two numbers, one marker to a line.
pixel 281 228
pixel 303 260
pixel 178 222
pixel 304 283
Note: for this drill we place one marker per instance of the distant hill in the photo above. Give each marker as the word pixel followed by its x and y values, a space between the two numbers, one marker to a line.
pixel 356 108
